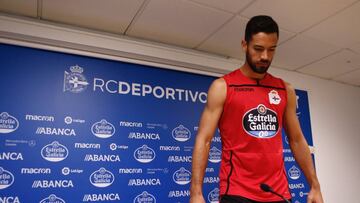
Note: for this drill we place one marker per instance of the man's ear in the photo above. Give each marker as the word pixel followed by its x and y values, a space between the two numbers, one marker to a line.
pixel 244 45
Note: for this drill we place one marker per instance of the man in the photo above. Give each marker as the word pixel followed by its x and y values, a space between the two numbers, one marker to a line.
pixel 250 107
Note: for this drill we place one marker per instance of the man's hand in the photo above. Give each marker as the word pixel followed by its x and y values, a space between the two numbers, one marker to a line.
pixel 315 196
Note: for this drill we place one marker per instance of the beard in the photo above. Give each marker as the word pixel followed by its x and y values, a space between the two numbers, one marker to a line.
pixel 257 69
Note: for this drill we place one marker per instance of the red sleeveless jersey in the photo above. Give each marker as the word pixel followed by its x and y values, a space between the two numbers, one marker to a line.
pixel 250 128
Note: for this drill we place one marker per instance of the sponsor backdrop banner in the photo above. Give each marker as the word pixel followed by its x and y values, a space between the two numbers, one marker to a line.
pixel 81 129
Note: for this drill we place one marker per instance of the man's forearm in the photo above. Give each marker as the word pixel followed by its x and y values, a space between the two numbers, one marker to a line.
pixel 302 156
pixel 199 163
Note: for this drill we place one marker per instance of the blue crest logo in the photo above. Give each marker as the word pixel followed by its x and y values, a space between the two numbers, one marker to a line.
pixel 214 155
pixel 54 152
pixel 294 173
pixel 261 122
pixel 103 129
pixel 75 81
pixel 145 197
pixel 181 133
pixel 213 196
pixel 52 199
pixel 8 123
pixel 102 178
pixel 6 178
pixel 144 154
pixel 182 176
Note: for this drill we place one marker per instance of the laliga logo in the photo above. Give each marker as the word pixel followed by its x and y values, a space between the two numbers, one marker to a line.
pixel 214 155
pixel 182 176
pixel 181 133
pixel 144 154
pixel 102 178
pixel 145 197
pixel 213 196
pixel 54 152
pixel 74 81
pixel 103 129
pixel 6 178
pixel 8 123
pixel 52 199
pixel 294 173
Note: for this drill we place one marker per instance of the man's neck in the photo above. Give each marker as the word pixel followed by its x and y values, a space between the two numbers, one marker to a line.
pixel 248 72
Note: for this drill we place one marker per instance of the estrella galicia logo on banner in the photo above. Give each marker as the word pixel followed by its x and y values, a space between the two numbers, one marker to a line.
pixel 6 178
pixel 214 155
pixel 54 152
pixel 145 197
pixel 261 122
pixel 103 129
pixel 213 196
pixel 181 133
pixel 102 178
pixel 52 199
pixel 182 176
pixel 8 123
pixel 294 173
pixel 75 81
pixel 144 154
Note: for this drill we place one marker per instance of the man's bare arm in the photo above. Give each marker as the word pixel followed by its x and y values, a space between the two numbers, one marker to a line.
pixel 299 146
pixel 207 126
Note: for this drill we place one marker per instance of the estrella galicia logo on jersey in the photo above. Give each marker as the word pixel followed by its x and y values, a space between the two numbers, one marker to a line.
pixel 294 173
pixel 182 176
pixel 6 178
pixel 102 178
pixel 54 152
pixel 145 197
pixel 261 122
pixel 214 155
pixel 8 123
pixel 75 81
pixel 103 129
pixel 181 133
pixel 144 154
pixel 52 199
pixel 274 97
pixel 213 196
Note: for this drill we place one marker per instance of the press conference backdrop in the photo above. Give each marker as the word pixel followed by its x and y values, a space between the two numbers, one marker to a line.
pixel 81 129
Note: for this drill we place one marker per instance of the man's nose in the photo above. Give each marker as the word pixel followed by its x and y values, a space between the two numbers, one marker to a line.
pixel 264 55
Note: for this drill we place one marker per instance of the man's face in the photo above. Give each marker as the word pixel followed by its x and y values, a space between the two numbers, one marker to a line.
pixel 260 51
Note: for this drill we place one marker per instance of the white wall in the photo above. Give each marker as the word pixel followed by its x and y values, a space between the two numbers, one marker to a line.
pixel 334 107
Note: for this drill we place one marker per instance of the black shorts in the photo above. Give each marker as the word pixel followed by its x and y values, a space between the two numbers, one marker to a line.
pixel 239 199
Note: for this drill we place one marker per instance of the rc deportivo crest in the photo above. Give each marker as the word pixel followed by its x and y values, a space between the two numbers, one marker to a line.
pixel 274 97
pixel 261 122
pixel 75 81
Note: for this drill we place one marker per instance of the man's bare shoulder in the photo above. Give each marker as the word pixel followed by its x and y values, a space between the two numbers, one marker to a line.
pixel 219 84
pixel 217 92
pixel 289 88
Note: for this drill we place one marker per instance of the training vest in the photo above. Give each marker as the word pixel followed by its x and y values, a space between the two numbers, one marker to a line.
pixel 250 128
